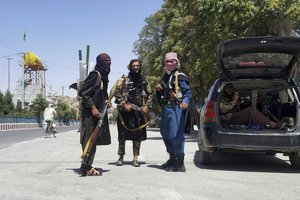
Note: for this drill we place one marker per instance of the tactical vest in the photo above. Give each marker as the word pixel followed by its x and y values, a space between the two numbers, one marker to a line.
pixel 173 85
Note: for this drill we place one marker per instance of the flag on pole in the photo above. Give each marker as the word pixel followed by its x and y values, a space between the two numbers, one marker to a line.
pixel 24 35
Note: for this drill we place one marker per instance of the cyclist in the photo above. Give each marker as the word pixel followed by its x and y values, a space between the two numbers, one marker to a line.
pixel 49 115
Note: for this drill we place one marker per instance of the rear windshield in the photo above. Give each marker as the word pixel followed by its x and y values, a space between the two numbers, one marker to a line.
pixel 274 60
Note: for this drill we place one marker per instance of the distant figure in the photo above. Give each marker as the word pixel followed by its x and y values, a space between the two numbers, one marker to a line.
pixel 49 115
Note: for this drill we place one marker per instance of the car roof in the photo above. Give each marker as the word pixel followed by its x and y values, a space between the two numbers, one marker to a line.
pixel 258 57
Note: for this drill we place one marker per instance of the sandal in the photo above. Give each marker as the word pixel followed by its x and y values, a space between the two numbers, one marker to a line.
pixel 135 163
pixel 88 170
pixel 93 172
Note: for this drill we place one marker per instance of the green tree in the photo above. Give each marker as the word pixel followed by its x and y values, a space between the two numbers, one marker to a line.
pixel 38 106
pixel 65 112
pixel 1 103
pixel 8 105
pixel 19 108
pixel 194 28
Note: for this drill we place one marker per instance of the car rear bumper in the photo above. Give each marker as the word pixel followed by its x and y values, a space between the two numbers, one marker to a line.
pixel 267 141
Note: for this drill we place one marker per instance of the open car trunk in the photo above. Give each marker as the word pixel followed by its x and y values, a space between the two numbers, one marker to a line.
pixel 276 99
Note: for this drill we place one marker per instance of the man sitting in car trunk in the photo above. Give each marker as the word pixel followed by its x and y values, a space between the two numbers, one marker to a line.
pixel 231 113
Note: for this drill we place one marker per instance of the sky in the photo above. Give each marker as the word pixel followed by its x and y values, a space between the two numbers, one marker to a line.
pixel 57 29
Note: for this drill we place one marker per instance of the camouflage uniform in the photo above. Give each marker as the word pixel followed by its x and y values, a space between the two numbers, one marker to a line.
pixel 129 123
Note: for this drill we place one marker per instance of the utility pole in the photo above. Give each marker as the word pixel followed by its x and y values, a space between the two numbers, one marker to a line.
pixel 62 90
pixel 8 75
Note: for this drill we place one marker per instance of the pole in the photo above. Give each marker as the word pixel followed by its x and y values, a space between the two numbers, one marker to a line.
pixel 23 86
pixel 8 71
pixel 87 59
pixel 62 90
pixel 80 66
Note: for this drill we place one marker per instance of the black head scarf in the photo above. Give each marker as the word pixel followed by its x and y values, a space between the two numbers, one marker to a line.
pixel 103 65
pixel 136 77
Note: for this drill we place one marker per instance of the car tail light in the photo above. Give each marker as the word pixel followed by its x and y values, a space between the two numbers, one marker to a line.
pixel 209 112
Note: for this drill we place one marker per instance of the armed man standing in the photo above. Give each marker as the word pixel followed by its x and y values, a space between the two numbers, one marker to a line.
pixel 174 95
pixel 132 92
pixel 94 96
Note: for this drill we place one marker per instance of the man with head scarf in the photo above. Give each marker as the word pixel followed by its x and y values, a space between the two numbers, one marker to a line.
pixel 174 95
pixel 231 112
pixel 133 90
pixel 94 94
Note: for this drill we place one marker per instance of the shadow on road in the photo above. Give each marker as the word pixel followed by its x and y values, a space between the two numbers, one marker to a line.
pixel 79 172
pixel 247 162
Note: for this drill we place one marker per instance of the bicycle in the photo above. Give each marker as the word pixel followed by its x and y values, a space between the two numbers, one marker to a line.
pixel 50 129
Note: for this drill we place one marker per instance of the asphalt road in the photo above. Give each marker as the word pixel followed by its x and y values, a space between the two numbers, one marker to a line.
pixel 10 137
pixel 47 168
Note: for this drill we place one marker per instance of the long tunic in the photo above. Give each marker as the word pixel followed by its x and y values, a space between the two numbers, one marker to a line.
pixel 93 93
pixel 136 93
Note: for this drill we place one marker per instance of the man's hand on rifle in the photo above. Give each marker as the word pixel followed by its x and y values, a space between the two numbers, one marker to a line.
pixel 127 107
pixel 95 111
pixel 144 109
pixel 158 87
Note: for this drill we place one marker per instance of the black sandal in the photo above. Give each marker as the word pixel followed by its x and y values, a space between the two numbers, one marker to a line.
pixel 88 170
pixel 119 162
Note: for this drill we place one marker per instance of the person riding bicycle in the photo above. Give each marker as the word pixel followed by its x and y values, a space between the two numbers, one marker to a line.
pixel 49 115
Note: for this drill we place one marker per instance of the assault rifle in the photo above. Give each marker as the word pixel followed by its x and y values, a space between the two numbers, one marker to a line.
pixel 169 91
pixel 136 107
pixel 97 131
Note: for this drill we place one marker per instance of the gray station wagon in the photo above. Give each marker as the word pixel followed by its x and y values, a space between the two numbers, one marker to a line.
pixel 265 72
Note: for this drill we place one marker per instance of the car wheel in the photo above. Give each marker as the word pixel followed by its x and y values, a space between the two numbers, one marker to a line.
pixel 295 159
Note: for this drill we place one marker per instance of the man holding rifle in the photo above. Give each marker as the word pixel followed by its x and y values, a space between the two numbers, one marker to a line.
pixel 174 95
pixel 94 96
pixel 134 99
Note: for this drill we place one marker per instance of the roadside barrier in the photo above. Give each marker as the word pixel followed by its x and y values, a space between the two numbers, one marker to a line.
pixel 12 126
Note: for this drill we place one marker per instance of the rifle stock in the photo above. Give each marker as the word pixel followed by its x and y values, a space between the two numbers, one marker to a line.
pixel 97 130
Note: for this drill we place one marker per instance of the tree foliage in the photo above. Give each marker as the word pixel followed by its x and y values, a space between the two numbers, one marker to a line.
pixel 194 28
pixel 65 112
pixel 38 106
pixel 36 109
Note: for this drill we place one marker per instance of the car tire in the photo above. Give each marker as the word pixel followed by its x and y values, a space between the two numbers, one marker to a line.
pixel 295 159
pixel 205 157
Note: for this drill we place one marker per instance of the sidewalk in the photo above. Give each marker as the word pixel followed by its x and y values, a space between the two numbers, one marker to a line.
pixel 46 168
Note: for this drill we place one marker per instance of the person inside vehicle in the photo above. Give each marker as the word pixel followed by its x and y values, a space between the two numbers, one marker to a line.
pixel 231 113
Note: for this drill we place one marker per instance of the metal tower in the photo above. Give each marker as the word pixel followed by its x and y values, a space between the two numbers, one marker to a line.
pixel 33 80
